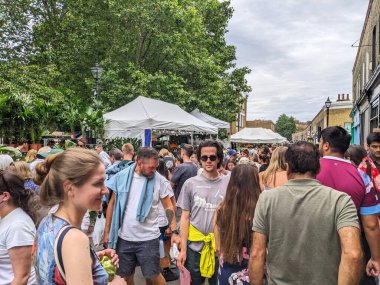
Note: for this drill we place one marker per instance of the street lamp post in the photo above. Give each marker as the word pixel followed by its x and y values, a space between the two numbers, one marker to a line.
pixel 96 71
pixel 327 105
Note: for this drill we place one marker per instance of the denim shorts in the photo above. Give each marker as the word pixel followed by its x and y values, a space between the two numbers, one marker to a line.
pixel 143 253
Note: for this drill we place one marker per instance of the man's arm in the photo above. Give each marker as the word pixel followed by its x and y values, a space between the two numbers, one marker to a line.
pixel 169 212
pixel 184 234
pixel 350 267
pixel 175 176
pixel 372 233
pixel 109 215
pixel 257 258
pixel 174 203
pixel 216 232
pixel 21 261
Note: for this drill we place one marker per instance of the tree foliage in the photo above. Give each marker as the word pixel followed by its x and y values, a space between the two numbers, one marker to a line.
pixel 286 126
pixel 174 50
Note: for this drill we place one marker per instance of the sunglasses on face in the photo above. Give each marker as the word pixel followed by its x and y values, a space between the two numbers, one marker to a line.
pixel 81 145
pixel 211 157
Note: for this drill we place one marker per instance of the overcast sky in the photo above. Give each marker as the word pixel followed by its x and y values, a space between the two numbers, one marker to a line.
pixel 299 51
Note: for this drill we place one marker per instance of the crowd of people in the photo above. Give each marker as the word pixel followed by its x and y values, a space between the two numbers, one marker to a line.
pixel 281 214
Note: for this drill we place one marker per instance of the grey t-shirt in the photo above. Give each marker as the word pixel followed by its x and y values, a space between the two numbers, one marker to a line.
pixel 301 220
pixel 181 173
pixel 201 196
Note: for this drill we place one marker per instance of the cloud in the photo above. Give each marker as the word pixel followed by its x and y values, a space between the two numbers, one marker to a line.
pixel 299 51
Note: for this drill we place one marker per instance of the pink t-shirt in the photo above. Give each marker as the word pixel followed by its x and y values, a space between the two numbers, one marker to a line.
pixel 341 175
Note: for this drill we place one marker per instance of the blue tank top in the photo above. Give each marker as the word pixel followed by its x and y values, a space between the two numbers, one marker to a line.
pixel 44 259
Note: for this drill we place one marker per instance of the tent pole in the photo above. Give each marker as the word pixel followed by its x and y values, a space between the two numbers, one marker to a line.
pixel 192 139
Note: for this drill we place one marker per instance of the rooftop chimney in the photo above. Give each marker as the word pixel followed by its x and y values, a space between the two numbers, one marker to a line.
pixel 338 97
pixel 348 97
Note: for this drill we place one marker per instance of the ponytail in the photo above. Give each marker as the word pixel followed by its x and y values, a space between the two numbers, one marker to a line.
pixel 42 168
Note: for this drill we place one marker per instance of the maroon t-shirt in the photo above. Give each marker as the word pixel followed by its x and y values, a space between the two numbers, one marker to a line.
pixel 341 175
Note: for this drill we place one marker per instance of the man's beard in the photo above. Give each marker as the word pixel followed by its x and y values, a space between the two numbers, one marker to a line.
pixel 146 175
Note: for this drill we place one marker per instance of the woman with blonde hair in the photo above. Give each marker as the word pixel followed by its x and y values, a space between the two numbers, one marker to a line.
pixel 22 170
pixel 31 156
pixel 168 158
pixel 275 175
pixel 75 181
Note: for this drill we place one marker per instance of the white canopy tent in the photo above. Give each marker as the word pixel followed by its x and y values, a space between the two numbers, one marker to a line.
pixel 257 136
pixel 210 120
pixel 144 113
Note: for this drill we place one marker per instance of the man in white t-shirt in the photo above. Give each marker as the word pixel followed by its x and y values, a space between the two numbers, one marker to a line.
pixel 103 155
pixel 138 238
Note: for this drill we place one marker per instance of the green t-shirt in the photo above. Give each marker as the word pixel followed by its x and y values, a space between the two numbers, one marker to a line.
pixel 301 220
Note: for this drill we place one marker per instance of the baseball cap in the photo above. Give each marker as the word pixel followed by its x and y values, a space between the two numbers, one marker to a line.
pixel 44 152
pixel 244 160
pixel 232 152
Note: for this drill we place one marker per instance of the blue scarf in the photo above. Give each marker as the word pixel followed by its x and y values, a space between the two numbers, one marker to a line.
pixel 120 184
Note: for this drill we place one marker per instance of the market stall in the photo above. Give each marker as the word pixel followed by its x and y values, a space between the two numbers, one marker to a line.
pixel 144 115
pixel 257 136
pixel 210 120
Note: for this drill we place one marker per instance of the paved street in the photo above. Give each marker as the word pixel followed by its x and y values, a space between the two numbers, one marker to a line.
pixel 139 279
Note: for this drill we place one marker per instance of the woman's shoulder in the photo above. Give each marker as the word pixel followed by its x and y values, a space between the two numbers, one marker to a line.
pixel 76 235
pixel 75 240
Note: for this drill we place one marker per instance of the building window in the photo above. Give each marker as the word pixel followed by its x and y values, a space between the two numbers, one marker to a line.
pixel 367 67
pixel 374 122
pixel 373 49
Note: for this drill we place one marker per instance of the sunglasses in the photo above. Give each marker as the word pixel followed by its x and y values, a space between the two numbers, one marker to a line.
pixel 81 145
pixel 211 157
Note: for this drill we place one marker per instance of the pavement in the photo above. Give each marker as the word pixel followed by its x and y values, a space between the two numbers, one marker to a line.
pixel 140 280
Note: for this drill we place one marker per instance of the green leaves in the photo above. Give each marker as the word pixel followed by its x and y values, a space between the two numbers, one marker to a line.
pixel 286 126
pixel 28 100
pixel 165 49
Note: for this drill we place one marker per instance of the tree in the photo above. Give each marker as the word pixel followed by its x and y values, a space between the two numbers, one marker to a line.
pixel 29 101
pixel 286 126
pixel 174 51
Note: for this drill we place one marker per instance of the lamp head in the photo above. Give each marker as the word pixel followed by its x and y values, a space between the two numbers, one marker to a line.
pixel 96 71
pixel 328 103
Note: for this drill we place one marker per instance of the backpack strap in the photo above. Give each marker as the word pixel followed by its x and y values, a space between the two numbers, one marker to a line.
pixel 58 249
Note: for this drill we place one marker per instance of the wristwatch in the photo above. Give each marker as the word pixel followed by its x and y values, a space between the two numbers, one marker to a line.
pixel 175 232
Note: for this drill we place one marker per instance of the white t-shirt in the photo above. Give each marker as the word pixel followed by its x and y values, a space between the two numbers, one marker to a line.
pixel 132 230
pixel 162 220
pixel 86 223
pixel 16 229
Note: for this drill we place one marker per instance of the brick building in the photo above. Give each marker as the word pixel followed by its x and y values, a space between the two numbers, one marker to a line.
pixel 241 119
pixel 339 115
pixel 266 124
pixel 366 76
